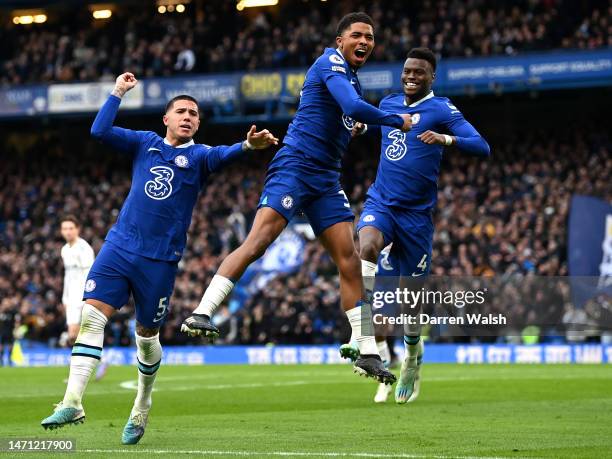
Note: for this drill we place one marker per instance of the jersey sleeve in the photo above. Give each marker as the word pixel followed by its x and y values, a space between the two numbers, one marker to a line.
pixel 103 130
pixel 352 104
pixel 468 139
pixel 217 157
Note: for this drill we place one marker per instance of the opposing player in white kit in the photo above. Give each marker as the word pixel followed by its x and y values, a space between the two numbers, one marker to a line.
pixel 78 256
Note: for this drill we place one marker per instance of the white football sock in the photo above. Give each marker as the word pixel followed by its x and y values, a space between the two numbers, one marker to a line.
pixel 214 295
pixel 86 354
pixel 411 344
pixel 368 271
pixel 360 318
pixel 149 360
pixel 383 350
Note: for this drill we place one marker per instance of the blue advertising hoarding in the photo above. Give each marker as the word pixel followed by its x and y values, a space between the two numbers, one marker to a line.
pixel 536 71
pixel 286 355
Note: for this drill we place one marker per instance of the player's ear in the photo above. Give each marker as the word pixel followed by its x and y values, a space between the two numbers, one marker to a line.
pixel 165 119
pixel 339 42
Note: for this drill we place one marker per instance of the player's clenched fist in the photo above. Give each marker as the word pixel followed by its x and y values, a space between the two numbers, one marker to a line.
pixel 124 83
pixel 431 137
pixel 358 129
pixel 407 121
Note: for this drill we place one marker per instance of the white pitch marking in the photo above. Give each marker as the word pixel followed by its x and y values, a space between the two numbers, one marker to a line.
pixel 133 385
pixel 287 454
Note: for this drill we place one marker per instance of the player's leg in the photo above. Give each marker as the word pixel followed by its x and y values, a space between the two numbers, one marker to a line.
pixel 86 354
pixel 338 241
pixel 371 242
pixel 331 218
pixel 149 354
pixel 280 200
pixel 152 284
pixel 106 289
pixel 415 234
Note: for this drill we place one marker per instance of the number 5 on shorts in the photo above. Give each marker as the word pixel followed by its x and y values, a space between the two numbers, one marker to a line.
pixel 161 309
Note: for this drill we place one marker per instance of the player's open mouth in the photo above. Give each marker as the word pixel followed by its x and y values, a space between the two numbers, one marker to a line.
pixel 361 53
pixel 410 85
pixel 185 126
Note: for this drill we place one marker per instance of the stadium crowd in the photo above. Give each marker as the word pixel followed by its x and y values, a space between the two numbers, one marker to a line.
pixel 293 34
pixel 505 215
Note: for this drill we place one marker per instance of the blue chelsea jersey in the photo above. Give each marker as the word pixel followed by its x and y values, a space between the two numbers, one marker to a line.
pixel 408 171
pixel 166 181
pixel 330 102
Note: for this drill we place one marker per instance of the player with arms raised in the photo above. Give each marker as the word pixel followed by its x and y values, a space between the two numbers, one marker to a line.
pixel 143 248
pixel 399 204
pixel 305 176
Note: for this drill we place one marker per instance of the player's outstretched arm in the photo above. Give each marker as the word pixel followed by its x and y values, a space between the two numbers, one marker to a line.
pixel 466 138
pixel 102 128
pixel 354 106
pixel 218 157
pixel 464 135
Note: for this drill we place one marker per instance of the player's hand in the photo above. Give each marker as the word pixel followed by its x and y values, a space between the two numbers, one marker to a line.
pixel 431 137
pixel 261 139
pixel 358 129
pixel 124 83
pixel 407 121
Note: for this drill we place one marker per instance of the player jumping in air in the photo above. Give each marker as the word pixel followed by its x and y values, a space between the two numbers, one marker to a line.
pixel 399 204
pixel 143 248
pixel 305 176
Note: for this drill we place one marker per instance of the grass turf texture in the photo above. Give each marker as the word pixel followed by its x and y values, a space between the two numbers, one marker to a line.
pixel 326 411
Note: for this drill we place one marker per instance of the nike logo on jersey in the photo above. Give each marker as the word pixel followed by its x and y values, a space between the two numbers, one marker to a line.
pixel 417 274
pixel 153 149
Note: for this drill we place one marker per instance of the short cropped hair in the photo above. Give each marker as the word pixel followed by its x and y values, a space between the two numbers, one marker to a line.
pixel 424 53
pixel 180 97
pixel 70 218
pixel 352 18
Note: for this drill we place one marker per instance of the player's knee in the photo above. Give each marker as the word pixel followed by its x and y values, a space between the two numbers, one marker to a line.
pixel 368 250
pixel 92 320
pixel 146 332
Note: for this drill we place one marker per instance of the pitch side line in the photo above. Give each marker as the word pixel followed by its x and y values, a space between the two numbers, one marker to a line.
pixel 286 454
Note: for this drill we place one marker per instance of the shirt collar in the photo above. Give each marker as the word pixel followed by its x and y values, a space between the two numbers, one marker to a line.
pixel 183 145
pixel 414 104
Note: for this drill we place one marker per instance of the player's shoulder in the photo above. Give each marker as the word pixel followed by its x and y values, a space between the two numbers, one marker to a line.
pixel 331 59
pixel 391 99
pixel 83 244
pixel 148 140
pixel 64 249
pixel 445 104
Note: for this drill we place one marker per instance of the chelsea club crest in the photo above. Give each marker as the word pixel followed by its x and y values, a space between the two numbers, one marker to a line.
pixel 181 161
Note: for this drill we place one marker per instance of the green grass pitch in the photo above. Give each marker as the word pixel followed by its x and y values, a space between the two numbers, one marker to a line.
pixel 507 411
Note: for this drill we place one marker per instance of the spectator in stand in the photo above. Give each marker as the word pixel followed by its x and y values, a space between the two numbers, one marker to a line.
pixel 293 34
